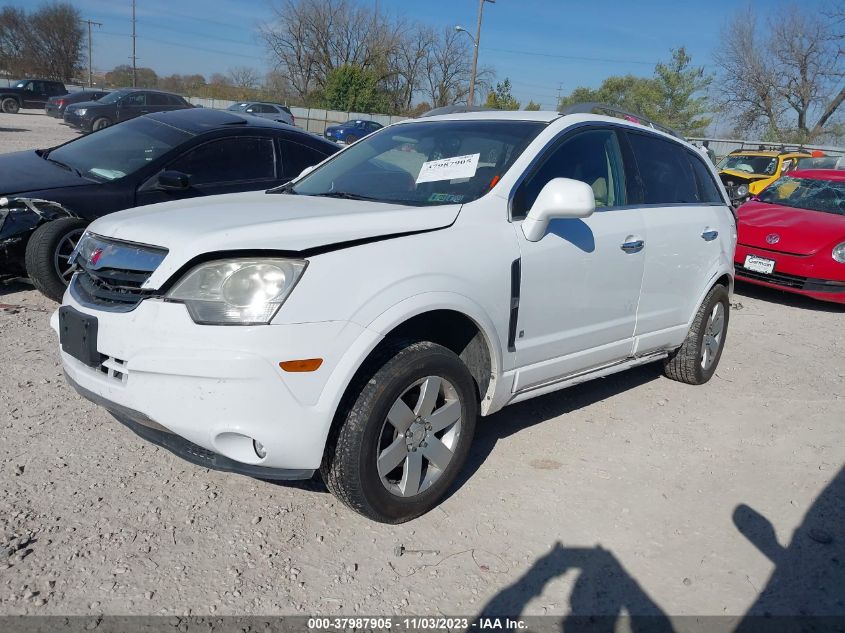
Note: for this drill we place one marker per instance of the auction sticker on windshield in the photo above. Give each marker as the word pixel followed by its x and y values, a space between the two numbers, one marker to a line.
pixel 449 168
pixel 759 264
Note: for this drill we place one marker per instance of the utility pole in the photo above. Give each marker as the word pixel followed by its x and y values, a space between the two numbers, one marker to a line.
pixel 559 88
pixel 475 54
pixel 134 58
pixel 90 52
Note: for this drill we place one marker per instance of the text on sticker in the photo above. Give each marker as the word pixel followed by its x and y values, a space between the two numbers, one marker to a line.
pixel 449 168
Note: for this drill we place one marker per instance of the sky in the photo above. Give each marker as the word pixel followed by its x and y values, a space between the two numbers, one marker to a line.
pixel 542 46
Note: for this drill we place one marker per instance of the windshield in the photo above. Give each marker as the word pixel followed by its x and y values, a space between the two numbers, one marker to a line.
pixel 750 164
pixel 806 193
pixel 424 163
pixel 237 107
pixel 114 97
pixel 22 84
pixel 119 150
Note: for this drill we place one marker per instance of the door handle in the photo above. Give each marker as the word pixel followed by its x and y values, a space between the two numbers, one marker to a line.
pixel 709 235
pixel 633 246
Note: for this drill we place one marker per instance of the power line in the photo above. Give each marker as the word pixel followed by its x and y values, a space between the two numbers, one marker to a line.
pixel 604 60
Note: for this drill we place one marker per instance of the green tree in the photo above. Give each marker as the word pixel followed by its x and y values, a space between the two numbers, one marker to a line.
pixel 532 106
pixel 673 96
pixel 121 77
pixel 501 98
pixel 355 89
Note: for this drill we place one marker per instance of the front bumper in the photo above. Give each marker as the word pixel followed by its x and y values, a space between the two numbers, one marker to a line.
pixel 74 120
pixel 218 387
pixel 793 273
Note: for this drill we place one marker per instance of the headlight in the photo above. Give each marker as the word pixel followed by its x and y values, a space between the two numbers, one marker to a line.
pixel 742 191
pixel 82 111
pixel 839 253
pixel 237 291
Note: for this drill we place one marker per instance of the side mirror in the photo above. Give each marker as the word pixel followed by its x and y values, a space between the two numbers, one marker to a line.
pixel 560 198
pixel 173 181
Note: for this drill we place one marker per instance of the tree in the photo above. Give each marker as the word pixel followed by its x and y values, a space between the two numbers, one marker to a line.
pixel 673 96
pixel 121 77
pixel 350 88
pixel 501 98
pixel 45 43
pixel 532 106
pixel 244 77
pixel 782 77
pixel 447 70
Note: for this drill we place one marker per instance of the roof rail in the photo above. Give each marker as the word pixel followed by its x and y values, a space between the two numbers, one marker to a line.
pixel 598 108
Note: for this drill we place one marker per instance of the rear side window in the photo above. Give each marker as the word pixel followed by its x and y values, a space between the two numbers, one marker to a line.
pixel 593 157
pixel 234 159
pixel 175 100
pixel 665 173
pixel 157 99
pixel 296 157
pixel 708 192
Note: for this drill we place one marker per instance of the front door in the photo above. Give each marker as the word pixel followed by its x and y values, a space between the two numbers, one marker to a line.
pixel 132 105
pixel 580 283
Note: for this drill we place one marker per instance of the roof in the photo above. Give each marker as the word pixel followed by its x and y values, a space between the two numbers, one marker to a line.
pixel 493 115
pixel 767 152
pixel 837 175
pixel 199 120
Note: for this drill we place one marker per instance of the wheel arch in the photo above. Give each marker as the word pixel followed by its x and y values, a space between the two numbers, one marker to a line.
pixel 719 278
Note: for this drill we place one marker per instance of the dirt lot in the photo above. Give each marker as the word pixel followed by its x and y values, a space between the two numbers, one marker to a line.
pixel 629 493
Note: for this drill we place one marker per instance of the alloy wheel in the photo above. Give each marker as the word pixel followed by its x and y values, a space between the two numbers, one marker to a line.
pixel 61 256
pixel 419 436
pixel 713 334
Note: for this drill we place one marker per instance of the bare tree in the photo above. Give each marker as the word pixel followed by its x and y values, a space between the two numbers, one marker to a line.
pixel 782 78
pixel 244 77
pixel 447 70
pixel 45 43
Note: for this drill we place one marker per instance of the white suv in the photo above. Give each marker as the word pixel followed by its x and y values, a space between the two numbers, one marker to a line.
pixel 360 319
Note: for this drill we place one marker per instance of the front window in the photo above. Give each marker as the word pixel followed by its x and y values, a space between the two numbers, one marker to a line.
pixel 115 152
pixel 423 163
pixel 750 164
pixel 807 193
pixel 114 97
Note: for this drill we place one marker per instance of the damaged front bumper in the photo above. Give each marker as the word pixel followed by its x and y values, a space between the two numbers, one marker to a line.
pixel 19 217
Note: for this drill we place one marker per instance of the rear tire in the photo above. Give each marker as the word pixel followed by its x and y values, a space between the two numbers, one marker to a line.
pixel 10 105
pixel 47 252
pixel 403 432
pixel 100 124
pixel 695 362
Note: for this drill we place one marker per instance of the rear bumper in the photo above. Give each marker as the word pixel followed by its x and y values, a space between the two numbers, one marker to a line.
pixel 792 273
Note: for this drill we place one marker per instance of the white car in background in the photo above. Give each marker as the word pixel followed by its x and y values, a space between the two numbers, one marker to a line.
pixel 359 320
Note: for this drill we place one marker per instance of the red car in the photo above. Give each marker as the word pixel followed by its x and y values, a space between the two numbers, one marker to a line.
pixel 792 236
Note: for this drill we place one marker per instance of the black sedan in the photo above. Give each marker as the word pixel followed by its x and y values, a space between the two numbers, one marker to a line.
pixel 56 106
pixel 121 105
pixel 50 196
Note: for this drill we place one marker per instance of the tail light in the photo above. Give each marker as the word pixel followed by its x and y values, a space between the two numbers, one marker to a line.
pixel 60 103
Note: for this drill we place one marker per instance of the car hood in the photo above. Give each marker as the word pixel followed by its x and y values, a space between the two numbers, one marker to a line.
pixel 263 221
pixel 738 177
pixel 27 171
pixel 800 231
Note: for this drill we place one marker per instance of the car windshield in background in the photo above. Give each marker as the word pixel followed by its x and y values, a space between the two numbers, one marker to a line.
pixel 113 97
pixel 807 193
pixel 117 151
pixel 750 164
pixel 238 107
pixel 424 163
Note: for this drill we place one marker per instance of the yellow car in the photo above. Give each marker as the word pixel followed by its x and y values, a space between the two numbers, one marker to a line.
pixel 746 173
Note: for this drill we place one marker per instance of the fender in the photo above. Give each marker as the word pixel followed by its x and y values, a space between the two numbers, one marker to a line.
pixel 717 272
pixel 20 216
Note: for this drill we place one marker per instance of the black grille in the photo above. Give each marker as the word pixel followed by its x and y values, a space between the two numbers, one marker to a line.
pixel 792 281
pixel 111 288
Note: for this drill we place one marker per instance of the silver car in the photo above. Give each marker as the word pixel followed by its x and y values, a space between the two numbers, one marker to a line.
pixel 272 111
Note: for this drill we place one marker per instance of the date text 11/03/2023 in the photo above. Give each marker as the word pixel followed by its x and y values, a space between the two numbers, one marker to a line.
pixel 416 624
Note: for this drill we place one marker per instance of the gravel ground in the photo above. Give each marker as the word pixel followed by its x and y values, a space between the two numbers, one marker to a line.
pixel 625 493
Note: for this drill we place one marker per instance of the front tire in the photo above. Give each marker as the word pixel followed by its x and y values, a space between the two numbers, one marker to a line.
pixel 695 362
pixel 403 433
pixel 10 106
pixel 48 252
pixel 100 124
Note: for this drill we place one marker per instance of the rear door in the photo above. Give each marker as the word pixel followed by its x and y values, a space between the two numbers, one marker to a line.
pixel 684 215
pixel 579 285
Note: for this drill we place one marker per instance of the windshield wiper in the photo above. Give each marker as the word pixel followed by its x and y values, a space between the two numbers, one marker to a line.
pixel 346 195
pixel 46 157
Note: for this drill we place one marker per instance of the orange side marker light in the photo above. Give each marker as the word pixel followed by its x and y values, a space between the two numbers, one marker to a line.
pixel 309 364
